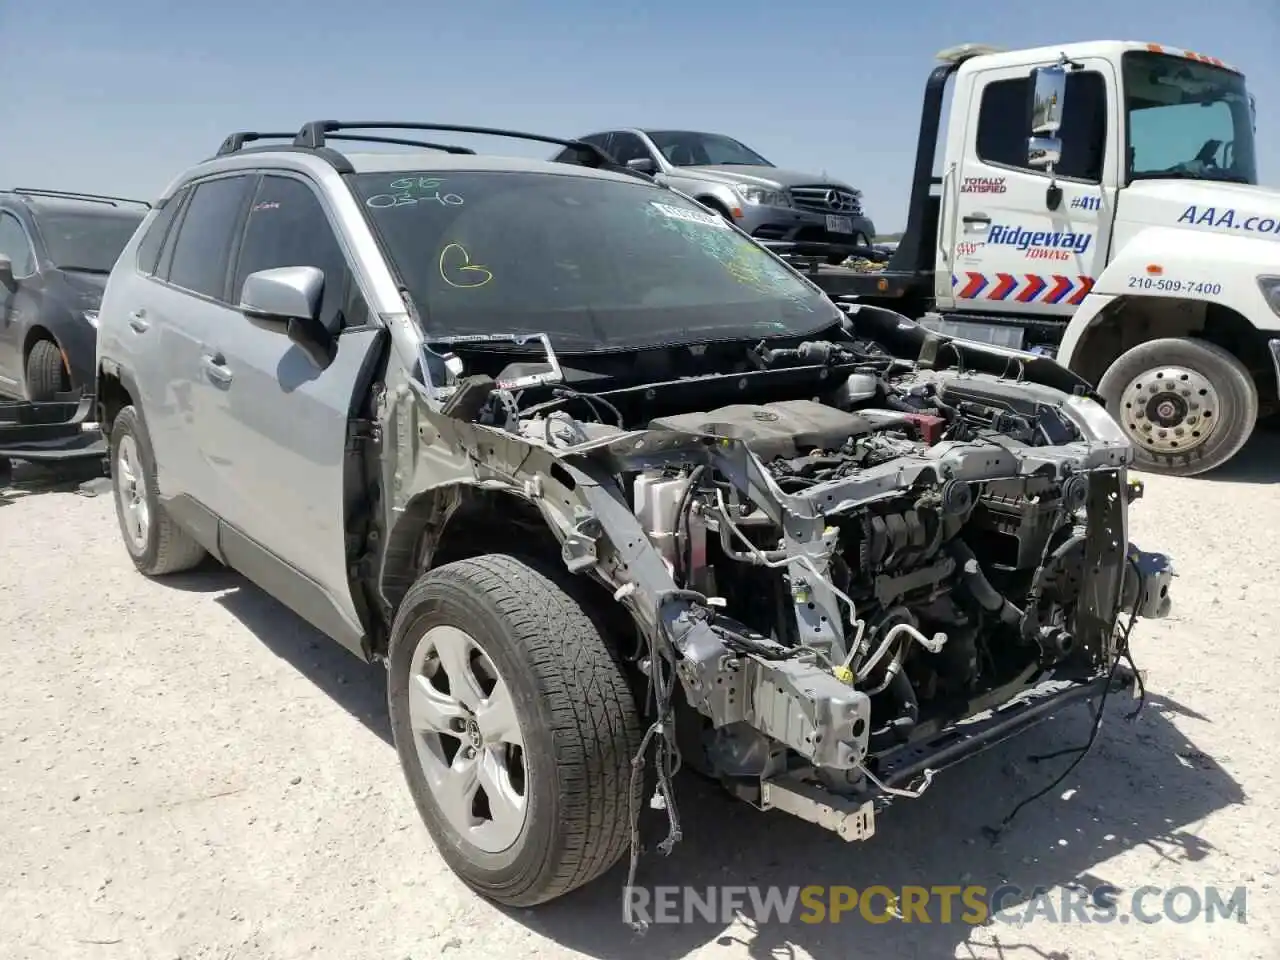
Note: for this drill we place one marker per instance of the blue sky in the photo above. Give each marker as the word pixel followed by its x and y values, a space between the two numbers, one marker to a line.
pixel 118 97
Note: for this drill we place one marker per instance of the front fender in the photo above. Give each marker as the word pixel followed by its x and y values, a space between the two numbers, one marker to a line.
pixel 703 190
pixel 1175 263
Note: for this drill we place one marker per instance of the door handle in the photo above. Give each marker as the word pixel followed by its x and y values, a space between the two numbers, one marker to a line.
pixel 139 322
pixel 977 218
pixel 215 367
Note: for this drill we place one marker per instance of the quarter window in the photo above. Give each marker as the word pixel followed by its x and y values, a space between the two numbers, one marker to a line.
pixel 151 242
pixel 1003 130
pixel 203 248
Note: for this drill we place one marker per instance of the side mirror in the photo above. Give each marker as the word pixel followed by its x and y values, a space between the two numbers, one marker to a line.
pixel 6 273
pixel 643 165
pixel 287 300
pixel 1049 90
pixel 1044 152
pixel 1048 97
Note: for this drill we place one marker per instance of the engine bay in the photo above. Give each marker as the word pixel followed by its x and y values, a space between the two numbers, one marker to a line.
pixel 846 556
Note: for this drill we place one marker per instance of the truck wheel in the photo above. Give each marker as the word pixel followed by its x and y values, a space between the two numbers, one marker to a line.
pixel 515 729
pixel 1187 404
pixel 155 543
pixel 46 374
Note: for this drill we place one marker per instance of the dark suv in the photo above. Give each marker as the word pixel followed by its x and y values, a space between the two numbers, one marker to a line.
pixel 56 250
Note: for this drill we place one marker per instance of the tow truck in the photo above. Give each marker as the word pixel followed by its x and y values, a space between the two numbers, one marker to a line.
pixel 1098 203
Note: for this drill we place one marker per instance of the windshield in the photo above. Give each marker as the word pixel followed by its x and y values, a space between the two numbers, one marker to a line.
pixel 87 241
pixel 1187 120
pixel 596 264
pixel 685 148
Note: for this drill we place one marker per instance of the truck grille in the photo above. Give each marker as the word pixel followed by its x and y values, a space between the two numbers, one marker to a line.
pixel 826 199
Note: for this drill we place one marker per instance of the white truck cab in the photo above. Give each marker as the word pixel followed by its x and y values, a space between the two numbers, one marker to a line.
pixel 1100 202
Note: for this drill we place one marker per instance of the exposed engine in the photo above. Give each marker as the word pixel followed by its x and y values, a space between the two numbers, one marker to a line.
pixel 948 590
pixel 826 586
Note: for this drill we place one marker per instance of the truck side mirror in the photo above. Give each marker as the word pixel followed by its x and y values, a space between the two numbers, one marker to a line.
pixel 1048 97
pixel 1044 146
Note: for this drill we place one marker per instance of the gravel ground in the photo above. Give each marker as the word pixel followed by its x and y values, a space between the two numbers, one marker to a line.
pixel 187 770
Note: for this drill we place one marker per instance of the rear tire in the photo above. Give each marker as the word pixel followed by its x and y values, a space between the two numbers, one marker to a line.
pixel 1187 404
pixel 156 544
pixel 46 374
pixel 533 647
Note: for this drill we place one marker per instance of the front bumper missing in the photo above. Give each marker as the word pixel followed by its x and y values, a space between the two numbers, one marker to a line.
pixel 56 431
pixel 852 817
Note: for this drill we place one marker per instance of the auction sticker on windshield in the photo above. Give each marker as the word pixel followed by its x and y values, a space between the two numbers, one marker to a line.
pixel 689 216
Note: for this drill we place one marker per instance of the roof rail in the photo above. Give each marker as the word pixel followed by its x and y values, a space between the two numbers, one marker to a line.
pixel 72 195
pixel 314 134
pixel 236 142
pixel 314 138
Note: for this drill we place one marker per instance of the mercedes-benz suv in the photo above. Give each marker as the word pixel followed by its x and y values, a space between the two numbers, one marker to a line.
pixel 767 202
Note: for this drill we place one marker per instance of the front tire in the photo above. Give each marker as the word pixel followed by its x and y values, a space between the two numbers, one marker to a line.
pixel 1187 404
pixel 156 544
pixel 515 728
pixel 46 374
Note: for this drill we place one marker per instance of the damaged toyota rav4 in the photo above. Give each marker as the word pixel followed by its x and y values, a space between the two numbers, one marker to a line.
pixel 609 488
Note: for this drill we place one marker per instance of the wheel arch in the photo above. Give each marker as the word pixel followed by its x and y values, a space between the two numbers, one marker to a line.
pixel 1123 322
pixel 115 389
pixel 34 334
pixel 717 204
pixel 464 519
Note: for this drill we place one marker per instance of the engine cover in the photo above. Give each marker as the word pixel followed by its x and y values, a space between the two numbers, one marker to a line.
pixel 786 429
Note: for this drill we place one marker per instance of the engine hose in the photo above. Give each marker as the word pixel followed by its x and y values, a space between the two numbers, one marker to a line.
pixel 898 729
pixel 980 588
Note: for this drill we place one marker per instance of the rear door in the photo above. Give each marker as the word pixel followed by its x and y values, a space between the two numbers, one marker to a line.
pixel 274 431
pixel 1012 252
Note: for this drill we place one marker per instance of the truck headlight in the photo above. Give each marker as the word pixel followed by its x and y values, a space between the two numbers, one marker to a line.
pixel 762 196
pixel 1270 287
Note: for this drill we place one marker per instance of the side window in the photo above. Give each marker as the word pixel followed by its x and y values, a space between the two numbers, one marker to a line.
pixel 1002 125
pixel 203 248
pixel 15 245
pixel 149 246
pixel 287 227
pixel 627 146
pixel 600 140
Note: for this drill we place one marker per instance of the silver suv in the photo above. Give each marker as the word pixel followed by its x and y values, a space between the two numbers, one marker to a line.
pixel 607 486
pixel 766 201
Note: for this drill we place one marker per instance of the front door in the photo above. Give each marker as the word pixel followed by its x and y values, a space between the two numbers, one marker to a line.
pixel 1013 251
pixel 274 425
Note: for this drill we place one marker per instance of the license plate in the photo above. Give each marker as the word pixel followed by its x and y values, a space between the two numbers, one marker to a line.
pixel 839 224
pixel 996 334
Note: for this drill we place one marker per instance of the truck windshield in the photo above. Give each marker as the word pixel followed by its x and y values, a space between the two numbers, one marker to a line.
pixel 1187 119
pixel 598 264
